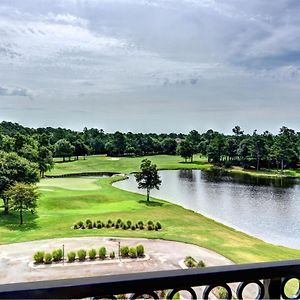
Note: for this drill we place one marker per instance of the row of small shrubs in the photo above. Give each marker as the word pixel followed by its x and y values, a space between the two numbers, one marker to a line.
pixel 125 252
pixel 47 258
pixel 119 224
pixel 191 262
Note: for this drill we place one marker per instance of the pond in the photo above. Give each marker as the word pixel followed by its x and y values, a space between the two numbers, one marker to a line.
pixel 266 208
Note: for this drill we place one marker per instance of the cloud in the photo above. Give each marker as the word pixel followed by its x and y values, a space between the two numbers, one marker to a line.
pixel 17 91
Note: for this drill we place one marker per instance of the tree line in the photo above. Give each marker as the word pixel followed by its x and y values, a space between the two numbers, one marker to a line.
pixel 26 154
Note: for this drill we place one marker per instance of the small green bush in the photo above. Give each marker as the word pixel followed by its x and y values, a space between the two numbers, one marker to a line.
pixel 119 221
pixel 117 226
pixel 112 255
pixel 81 254
pixel 141 226
pixel 150 223
pixel 95 225
pixel 129 223
pixel 221 293
pixel 124 227
pixel 140 223
pixel 71 256
pixel 102 253
pixel 90 226
pixel 82 227
pixel 158 225
pixel 75 226
pixel 124 251
pixel 39 257
pixel 201 264
pixel 80 223
pixel 190 262
pixel 99 225
pixel 132 253
pixel 140 251
pixel 88 221
pixel 92 254
pixel 108 225
pixel 132 227
pixel 57 255
pixel 156 228
pixel 98 222
pixel 48 258
pixel 150 227
pixel 109 221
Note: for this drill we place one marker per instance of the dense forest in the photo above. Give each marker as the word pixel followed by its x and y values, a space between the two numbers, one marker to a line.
pixel 256 150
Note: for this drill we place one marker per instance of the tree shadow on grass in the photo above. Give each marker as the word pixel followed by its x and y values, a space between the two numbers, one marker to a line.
pixel 151 203
pixel 12 221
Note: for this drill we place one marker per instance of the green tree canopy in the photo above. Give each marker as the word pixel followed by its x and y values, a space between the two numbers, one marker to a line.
pixel 148 178
pixel 15 169
pixel 63 148
pixel 22 197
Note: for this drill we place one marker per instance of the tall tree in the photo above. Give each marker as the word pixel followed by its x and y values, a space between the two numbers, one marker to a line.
pixel 45 160
pixel 22 197
pixel 15 169
pixel 185 150
pixel 63 148
pixel 148 178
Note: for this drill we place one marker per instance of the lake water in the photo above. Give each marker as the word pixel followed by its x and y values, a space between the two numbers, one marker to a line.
pixel 266 208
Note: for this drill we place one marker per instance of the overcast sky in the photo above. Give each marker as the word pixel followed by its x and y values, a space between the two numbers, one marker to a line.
pixel 142 65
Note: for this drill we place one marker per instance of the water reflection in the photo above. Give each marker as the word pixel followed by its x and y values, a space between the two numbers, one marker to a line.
pixel 266 208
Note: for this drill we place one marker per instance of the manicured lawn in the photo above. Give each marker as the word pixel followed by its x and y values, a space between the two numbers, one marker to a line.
pixel 125 164
pixel 66 201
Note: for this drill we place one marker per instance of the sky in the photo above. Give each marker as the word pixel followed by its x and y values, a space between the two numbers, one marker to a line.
pixel 151 66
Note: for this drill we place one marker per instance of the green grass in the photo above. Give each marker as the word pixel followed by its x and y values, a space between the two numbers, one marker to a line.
pixel 128 165
pixel 66 201
pixel 125 164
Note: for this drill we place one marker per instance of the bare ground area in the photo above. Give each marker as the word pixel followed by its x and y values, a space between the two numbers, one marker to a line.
pixel 163 255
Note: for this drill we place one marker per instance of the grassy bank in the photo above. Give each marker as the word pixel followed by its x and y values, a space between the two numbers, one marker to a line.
pixel 65 201
pixel 164 162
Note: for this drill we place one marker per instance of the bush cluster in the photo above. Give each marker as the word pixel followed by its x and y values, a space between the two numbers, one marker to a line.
pixel 119 224
pixel 47 258
pixel 82 255
pixel 191 262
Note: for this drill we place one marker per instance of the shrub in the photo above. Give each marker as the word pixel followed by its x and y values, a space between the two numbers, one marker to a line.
pixel 99 225
pixel 132 227
pixel 112 224
pixel 150 227
pixel 98 222
pixel 39 257
pixel 92 254
pixel 112 255
pixel 221 293
pixel 90 226
pixel 119 221
pixel 102 253
pixel 109 221
pixel 141 226
pixel 156 228
pixel 190 262
pixel 48 258
pixel 82 227
pixel 108 225
pixel 57 255
pixel 140 251
pixel 75 226
pixel 200 264
pixel 124 251
pixel 88 221
pixel 94 225
pixel 150 223
pixel 117 226
pixel 132 252
pixel 140 223
pixel 80 223
pixel 81 254
pixel 71 256
pixel 124 227
pixel 158 225
pixel 129 223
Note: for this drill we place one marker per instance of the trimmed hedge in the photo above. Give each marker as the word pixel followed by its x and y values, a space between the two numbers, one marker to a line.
pixel 119 224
